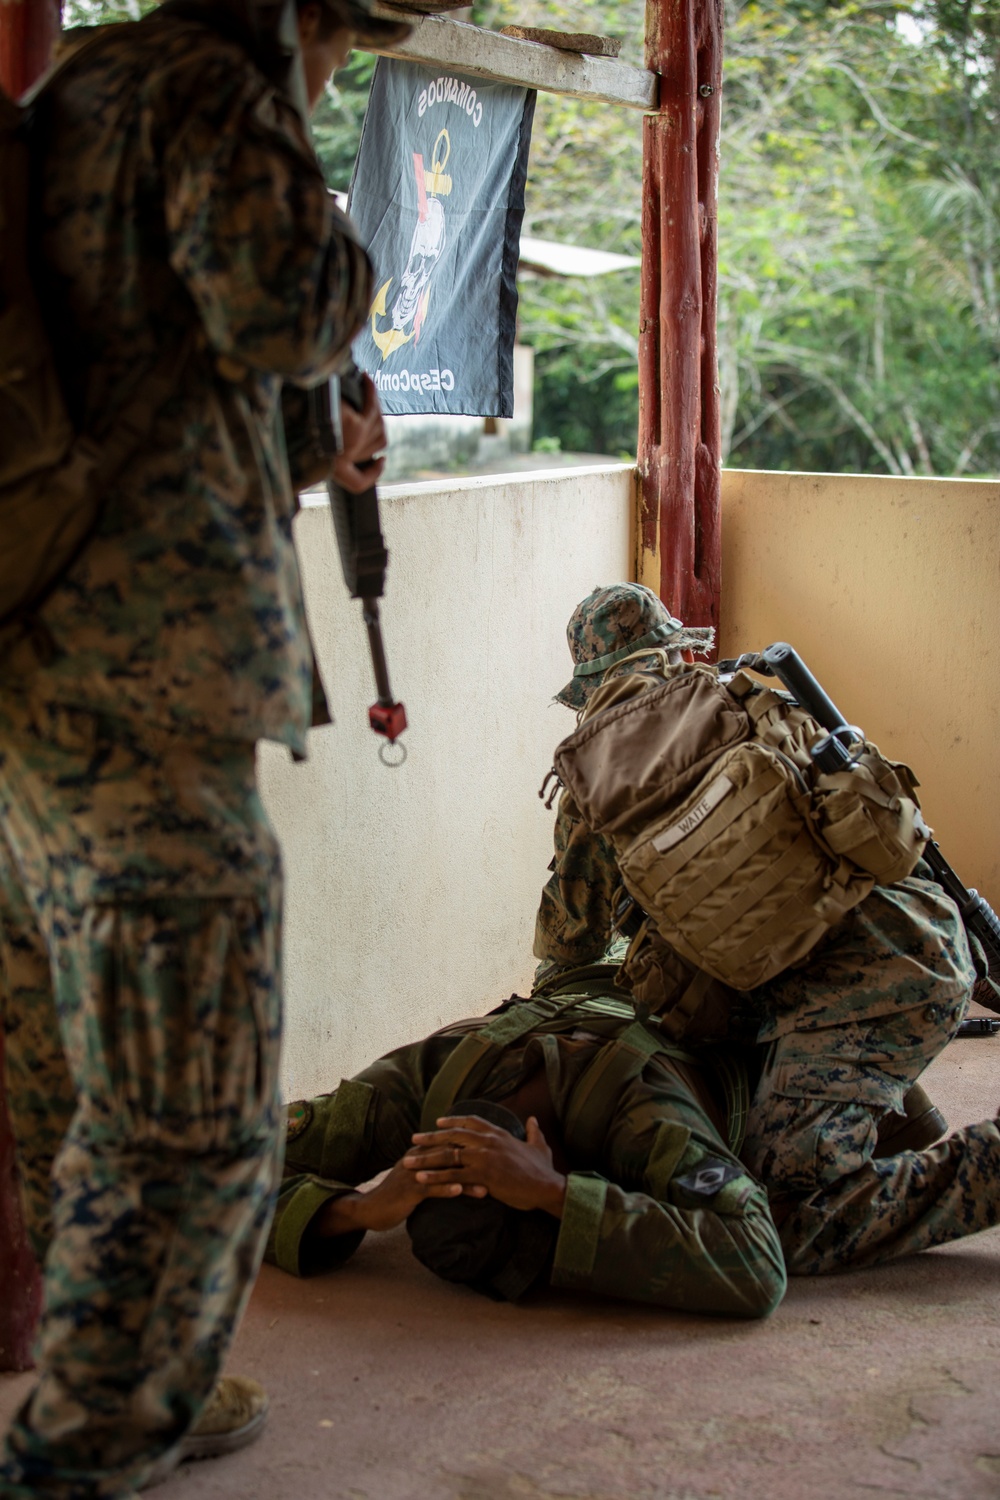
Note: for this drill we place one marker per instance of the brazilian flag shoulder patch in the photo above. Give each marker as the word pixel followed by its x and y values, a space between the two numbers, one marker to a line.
pixel 709 1177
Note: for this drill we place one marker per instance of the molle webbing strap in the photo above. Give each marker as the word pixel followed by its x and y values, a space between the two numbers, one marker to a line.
pixel 596 1096
pixel 471 1059
pixel 721 870
pixel 751 895
pixel 718 820
pixel 762 937
pixel 761 703
pixel 847 781
pixel 740 686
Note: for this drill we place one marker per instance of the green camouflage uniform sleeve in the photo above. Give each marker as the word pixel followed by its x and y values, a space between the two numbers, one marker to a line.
pixel 573 924
pixel 337 1140
pixel 274 268
pixel 677 1220
pixel 330 1148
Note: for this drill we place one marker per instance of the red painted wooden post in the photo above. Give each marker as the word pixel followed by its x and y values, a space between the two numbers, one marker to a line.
pixel 20 1283
pixel 28 31
pixel 679 442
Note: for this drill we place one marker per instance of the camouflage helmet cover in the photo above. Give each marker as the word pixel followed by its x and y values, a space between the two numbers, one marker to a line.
pixel 614 622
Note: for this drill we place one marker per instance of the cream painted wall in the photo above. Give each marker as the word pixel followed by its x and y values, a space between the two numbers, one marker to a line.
pixel 890 591
pixel 411 893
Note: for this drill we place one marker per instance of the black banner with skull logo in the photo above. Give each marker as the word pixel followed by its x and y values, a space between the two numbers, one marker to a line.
pixel 438 199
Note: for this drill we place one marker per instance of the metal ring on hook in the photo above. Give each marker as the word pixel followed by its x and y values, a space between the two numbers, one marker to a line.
pixel 392 745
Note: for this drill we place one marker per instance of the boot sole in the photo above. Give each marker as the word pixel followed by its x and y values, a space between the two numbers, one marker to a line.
pixel 218 1444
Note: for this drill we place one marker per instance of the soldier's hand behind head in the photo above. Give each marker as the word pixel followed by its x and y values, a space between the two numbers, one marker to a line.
pixel 470 1151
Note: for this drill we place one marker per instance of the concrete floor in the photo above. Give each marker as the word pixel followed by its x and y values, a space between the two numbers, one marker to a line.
pixel 388 1385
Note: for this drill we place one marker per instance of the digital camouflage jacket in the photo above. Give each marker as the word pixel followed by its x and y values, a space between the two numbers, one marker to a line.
pixel 182 211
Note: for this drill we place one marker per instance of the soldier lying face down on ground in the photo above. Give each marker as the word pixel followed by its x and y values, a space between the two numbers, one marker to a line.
pixel 564 1140
pixel 557 1139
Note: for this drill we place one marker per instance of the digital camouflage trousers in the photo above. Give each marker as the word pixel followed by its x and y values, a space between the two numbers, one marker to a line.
pixel 849 1032
pixel 140 934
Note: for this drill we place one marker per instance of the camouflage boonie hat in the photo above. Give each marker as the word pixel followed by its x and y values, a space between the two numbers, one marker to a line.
pixel 614 622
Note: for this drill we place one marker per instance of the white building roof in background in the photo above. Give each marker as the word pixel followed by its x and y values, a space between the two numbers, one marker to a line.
pixel 550 258
pixel 553 259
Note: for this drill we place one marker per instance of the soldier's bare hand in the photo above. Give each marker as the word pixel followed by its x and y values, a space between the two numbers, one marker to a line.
pixel 358 467
pixel 471 1152
pixel 384 1206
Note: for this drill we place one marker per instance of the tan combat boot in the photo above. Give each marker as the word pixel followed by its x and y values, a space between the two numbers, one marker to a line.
pixel 921 1125
pixel 235 1416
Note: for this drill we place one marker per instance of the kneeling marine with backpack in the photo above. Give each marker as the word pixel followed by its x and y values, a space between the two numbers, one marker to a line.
pixel 746 823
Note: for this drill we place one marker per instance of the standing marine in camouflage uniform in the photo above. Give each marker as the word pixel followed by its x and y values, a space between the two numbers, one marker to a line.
pixel 845 1034
pixel 180 208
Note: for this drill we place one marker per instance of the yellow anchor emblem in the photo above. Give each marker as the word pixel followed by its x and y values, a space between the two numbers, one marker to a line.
pixel 434 183
pixel 393 338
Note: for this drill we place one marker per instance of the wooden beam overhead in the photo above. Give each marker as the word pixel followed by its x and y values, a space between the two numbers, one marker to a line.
pixel 442 43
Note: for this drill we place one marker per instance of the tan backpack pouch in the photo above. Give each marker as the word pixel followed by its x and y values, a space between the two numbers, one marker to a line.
pixel 734 878
pixel 628 762
pixel 871 815
pixel 687 1002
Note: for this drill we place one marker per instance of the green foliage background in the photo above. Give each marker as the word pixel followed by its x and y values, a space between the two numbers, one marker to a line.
pixel 859 232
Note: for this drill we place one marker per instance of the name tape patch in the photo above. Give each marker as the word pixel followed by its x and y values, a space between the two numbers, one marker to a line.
pixel 720 788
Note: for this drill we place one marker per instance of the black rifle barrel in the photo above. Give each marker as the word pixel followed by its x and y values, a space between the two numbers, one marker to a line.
pixel 363 556
pixel 785 663
pixel 978 1026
